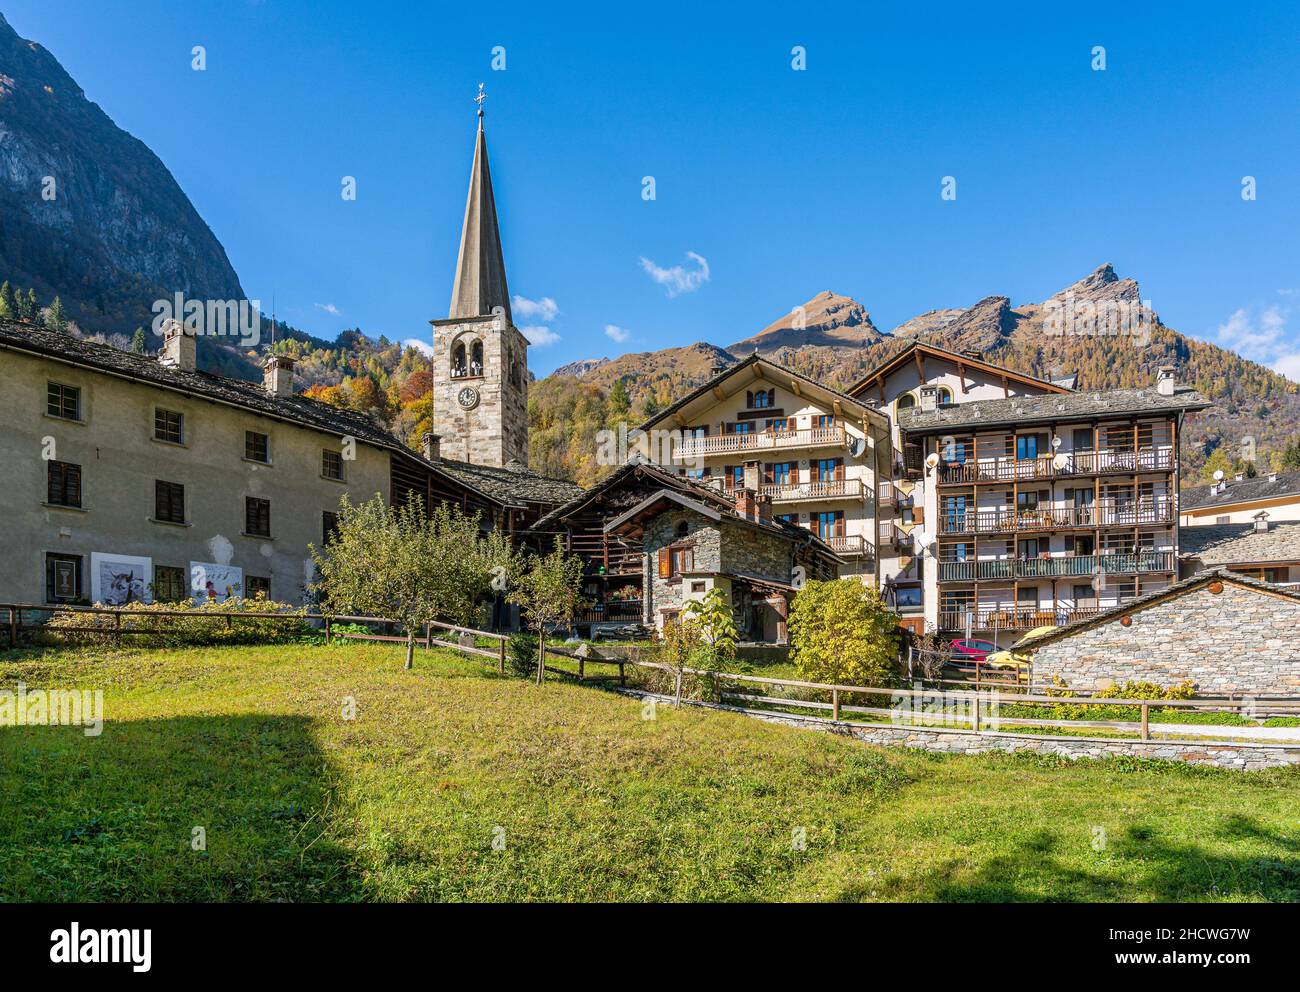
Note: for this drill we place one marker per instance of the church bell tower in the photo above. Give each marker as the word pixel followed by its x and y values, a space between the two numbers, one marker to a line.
pixel 480 405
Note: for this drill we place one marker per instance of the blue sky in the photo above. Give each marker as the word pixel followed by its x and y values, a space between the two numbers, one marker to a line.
pixel 779 183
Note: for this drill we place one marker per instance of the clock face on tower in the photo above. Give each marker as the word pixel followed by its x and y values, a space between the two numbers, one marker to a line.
pixel 467 397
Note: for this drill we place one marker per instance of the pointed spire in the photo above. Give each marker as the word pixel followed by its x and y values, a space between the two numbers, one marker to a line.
pixel 480 267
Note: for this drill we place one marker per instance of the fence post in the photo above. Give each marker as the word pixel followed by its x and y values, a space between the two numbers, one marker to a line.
pixel 1146 727
pixel 835 702
pixel 975 712
pixel 13 626
pixel 582 667
pixel 117 628
pixel 677 693
pixel 328 633
pixel 501 660
pixel 541 657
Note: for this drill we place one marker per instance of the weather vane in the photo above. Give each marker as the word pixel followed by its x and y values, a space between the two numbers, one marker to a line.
pixel 480 99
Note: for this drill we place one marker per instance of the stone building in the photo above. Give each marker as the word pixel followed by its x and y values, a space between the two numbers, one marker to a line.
pixel 1222 631
pixel 1240 499
pixel 693 544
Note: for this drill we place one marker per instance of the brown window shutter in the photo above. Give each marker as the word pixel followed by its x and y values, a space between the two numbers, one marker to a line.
pixel 918 514
pixel 839 469
pixel 665 563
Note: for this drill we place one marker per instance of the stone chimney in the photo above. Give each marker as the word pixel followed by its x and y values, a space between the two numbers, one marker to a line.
pixel 432 446
pixel 717 369
pixel 180 348
pixel 929 397
pixel 1240 477
pixel 745 503
pixel 763 508
pixel 277 375
pixel 1261 522
pixel 1272 477
pixel 1166 380
pixel 753 475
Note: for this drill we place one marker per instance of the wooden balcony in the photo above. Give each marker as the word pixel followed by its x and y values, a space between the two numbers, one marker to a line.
pixel 623 611
pixel 759 441
pixel 1056 567
pixel 808 491
pixel 1107 513
pixel 849 545
pixel 986 617
pixel 1109 462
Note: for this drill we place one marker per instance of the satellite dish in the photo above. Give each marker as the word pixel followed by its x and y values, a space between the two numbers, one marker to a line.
pixel 932 460
pixel 922 538
pixel 1218 475
pixel 1056 441
pixel 1059 461
pixel 856 446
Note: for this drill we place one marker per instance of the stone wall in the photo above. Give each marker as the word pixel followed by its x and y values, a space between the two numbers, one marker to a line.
pixel 670 594
pixel 749 551
pixel 1239 641
pixel 1232 755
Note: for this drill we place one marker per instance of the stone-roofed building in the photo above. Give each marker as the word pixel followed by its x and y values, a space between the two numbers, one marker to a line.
pixel 1042 509
pixel 1224 632
pixel 1238 500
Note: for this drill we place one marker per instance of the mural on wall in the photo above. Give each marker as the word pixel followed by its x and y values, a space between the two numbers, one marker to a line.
pixel 116 580
pixel 213 583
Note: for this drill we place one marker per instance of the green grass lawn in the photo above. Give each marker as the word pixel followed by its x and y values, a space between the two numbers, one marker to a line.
pixel 587 799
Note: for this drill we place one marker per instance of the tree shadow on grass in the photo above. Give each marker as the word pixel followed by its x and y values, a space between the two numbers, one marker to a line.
pixel 196 809
pixel 1138 864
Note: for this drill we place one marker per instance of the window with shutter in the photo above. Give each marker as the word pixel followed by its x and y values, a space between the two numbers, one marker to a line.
pixel 665 563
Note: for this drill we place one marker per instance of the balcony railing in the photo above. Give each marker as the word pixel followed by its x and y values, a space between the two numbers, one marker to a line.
pixel 622 611
pixel 797 492
pixel 993 617
pixel 1058 566
pixel 849 545
pixel 1107 513
pixel 729 444
pixel 1109 462
pixel 894 536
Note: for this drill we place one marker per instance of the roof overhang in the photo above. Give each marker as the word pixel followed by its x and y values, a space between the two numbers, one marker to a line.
pixel 909 354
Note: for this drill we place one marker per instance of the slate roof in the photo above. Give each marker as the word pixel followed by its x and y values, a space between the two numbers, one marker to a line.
pixel 1168 592
pixel 611 481
pixel 1239 544
pixel 512 482
pixel 1049 409
pixel 1245 491
pixel 754 359
pixel 512 485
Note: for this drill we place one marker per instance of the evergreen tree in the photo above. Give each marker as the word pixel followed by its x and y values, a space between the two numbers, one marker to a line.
pixel 27 304
pixel 651 405
pixel 1291 457
pixel 619 401
pixel 6 307
pixel 55 317
pixel 138 341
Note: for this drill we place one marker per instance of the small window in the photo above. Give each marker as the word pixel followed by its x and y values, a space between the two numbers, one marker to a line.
pixel 168 425
pixel 683 560
pixel 62 578
pixel 63 401
pixel 169 585
pixel 697 587
pixel 331 465
pixel 683 530
pixel 945 396
pixel 169 502
pixel 257 517
pixel 64 484
pixel 256 586
pixel 1223 520
pixel 329 527
pixel 257 447
pixel 905 402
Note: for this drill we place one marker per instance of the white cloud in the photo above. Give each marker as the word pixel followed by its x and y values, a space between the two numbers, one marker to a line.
pixel 1262 337
pixel 538 335
pixel 421 346
pixel 329 308
pixel 616 333
pixel 678 280
pixel 543 310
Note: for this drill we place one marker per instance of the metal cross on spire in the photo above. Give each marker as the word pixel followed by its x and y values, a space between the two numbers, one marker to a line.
pixel 480 100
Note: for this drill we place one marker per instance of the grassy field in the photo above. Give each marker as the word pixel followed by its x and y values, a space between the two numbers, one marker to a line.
pixel 585 798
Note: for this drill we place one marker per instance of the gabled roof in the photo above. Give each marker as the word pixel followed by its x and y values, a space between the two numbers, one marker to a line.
pixel 1245 491
pixel 656 503
pixel 1019 410
pixel 1150 599
pixel 583 498
pixel 763 368
pixel 909 354
pixel 1240 544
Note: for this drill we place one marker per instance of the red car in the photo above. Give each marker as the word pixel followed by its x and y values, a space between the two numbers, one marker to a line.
pixel 968 652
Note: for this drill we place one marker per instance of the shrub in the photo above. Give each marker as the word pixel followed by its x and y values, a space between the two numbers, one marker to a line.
pixel 841 632
pixel 203 625
pixel 521 654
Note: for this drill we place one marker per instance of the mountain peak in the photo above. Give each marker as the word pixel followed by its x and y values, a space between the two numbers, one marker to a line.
pixel 826 319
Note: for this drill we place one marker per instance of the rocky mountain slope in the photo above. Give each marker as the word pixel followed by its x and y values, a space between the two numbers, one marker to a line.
pixel 109 231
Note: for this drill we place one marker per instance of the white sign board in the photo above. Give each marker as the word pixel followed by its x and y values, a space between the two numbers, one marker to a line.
pixel 210 582
pixel 116 580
